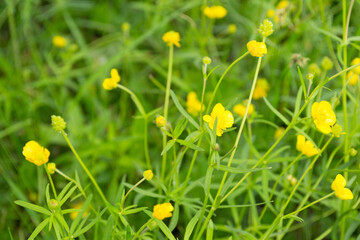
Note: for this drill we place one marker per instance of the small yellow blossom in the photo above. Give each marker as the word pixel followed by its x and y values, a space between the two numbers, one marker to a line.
pixel 111 83
pixel 163 210
pixel 323 116
pixel 282 4
pixel 224 118
pixel 125 26
pixel 193 105
pixel 232 28
pixel 266 28
pixel 215 12
pixel 270 13
pixel 256 49
pixel 78 206
pixel 160 121
pixel 314 69
pixel 240 109
pixel 305 147
pixel 51 167
pixel 338 185
pixel 337 130
pixel 261 88
pixel 59 41
pixel 58 123
pixel 327 64
pixel 35 153
pixel 353 78
pixel 354 62
pixel 148 174
pixel 278 132
pixel 206 60
pixel 291 179
pixel 172 38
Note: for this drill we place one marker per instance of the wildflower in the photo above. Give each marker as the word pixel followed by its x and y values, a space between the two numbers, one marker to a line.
pixel 224 118
pixel 193 105
pixel 353 152
pixel 111 83
pixel 35 153
pixel 261 88
pixel 310 77
pixel 125 26
pixel 160 121
pixel 266 28
pixel 214 12
pixel 338 185
pixel 240 109
pixel 327 64
pixel 314 69
pixel 270 13
pixel 163 210
pixel 58 123
pixel 206 60
pixel 78 206
pixel 51 167
pixel 323 116
pixel 282 4
pixel 353 78
pixel 59 41
pixel 232 28
pixel 148 175
pixel 354 62
pixel 278 132
pixel 305 147
pixel 337 130
pixel 256 49
pixel 171 38
pixel 291 179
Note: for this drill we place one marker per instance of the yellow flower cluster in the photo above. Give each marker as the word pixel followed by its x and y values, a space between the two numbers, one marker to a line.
pixel 261 88
pixel 256 49
pixel 240 109
pixel 111 83
pixel 35 153
pixel 305 147
pixel 338 185
pixel 224 119
pixel 59 41
pixel 353 75
pixel 194 106
pixel 163 210
pixel 172 38
pixel 215 12
pixel 323 116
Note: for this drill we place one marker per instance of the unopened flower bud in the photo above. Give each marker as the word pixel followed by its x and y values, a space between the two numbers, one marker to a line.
pixel 337 130
pixel 266 28
pixel 206 60
pixel 51 167
pixel 148 175
pixel 160 121
pixel 53 204
pixel 327 64
pixel 58 123
pixel 353 152
pixel 310 77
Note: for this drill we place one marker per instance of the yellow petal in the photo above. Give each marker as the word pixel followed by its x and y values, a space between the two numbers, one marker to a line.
pixel 344 194
pixel 300 142
pixel 338 183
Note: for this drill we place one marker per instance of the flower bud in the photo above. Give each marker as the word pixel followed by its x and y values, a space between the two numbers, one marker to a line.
pixel 206 60
pixel 327 64
pixel 266 28
pixel 51 167
pixel 310 77
pixel 148 175
pixel 337 130
pixel 353 152
pixel 160 121
pixel 53 204
pixel 58 123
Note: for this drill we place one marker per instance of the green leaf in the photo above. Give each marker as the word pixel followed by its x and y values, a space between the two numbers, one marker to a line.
pixel 168 146
pixel 63 200
pixel 239 170
pixel 208 176
pixel 162 226
pixel 145 192
pixel 64 191
pixel 88 226
pixel 294 217
pixel 132 211
pixel 47 193
pixel 182 110
pixel 191 225
pixel 180 127
pixel 277 113
pixel 175 217
pixel 303 85
pixel 76 222
pixel 297 103
pixel 210 230
pixel 33 207
pixel 38 229
pixel 189 145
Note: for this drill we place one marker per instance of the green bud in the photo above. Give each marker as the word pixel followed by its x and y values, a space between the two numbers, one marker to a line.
pixel 326 63
pixel 58 123
pixel 266 28
pixel 53 204
pixel 337 130
pixel 206 60
pixel 353 152
pixel 309 77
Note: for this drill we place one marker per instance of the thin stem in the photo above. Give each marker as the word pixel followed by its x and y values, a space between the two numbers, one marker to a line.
pixel 127 194
pixel 142 228
pixel 51 182
pixel 203 95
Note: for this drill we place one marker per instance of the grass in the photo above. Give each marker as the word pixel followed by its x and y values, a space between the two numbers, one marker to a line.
pixel 230 187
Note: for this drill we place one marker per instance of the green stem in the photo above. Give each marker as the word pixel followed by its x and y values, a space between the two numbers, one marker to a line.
pixel 142 228
pixel 127 194
pixel 51 182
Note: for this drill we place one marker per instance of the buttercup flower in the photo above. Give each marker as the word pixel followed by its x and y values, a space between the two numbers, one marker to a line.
pixel 282 4
pixel 261 88
pixel 35 153
pixel 59 41
pixel 224 118
pixel 354 62
pixel 215 12
pixel 163 210
pixel 240 109
pixel 193 104
pixel 232 28
pixel 270 13
pixel 58 123
pixel 323 116
pixel 338 185
pixel 51 168
pixel 256 49
pixel 305 147
pixel 278 132
pixel 353 78
pixel 148 175
pixel 172 38
pixel 111 83
pixel 160 121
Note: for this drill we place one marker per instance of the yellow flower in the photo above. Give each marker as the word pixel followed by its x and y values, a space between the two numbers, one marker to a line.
pixel 171 38
pixel 163 210
pixel 305 147
pixel 59 41
pixel 215 12
pixel 73 215
pixel 354 62
pixel 256 49
pixel 338 185
pixel 51 167
pixel 323 116
pixel 278 132
pixel 240 109
pixel 111 83
pixel 353 78
pixel 232 28
pixel 125 26
pixel 193 105
pixel 160 121
pixel 261 88
pixel 148 175
pixel 35 153
pixel 282 4
pixel 270 13
pixel 224 118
